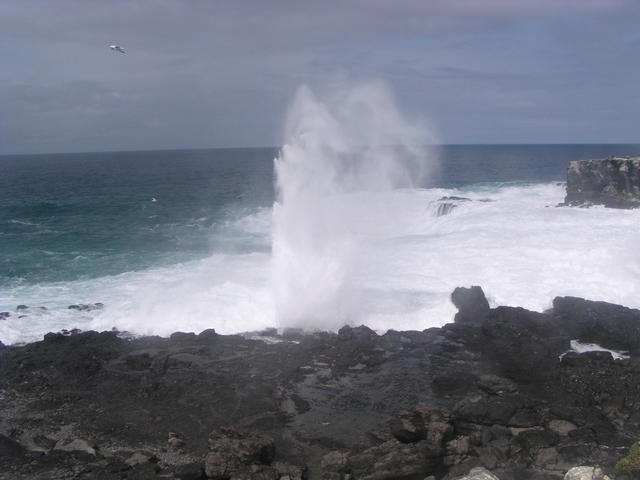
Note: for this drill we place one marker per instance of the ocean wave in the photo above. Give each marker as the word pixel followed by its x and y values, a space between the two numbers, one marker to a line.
pixel 24 222
pixel 519 247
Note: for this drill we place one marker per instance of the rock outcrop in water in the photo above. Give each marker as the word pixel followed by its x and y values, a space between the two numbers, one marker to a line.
pixel 613 182
pixel 495 391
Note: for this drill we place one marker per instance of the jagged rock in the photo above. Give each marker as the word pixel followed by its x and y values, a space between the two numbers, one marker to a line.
pixel 392 460
pixel 408 427
pixel 479 473
pixel 483 410
pixel 357 333
pixel 585 473
pixel 522 413
pixel 534 440
pixel 288 472
pixel 335 462
pixel 612 182
pixel 611 326
pixel 521 344
pixel 457 449
pixel 86 307
pixel 4 315
pixel 561 427
pixel 232 452
pixel 335 466
pixel 471 303
pixel 75 445
pixel 141 457
pixel 42 443
pixel 186 337
pixel 495 385
pixel 207 334
pixel 425 422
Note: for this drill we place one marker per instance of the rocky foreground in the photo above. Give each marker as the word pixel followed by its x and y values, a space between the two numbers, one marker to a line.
pixel 496 389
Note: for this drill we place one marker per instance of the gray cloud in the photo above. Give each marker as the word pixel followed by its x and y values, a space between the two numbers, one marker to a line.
pixel 220 73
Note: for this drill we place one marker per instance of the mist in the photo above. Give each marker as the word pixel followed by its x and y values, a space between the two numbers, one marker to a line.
pixel 340 150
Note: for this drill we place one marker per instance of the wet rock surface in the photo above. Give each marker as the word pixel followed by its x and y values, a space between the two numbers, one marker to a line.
pixel 613 182
pixel 496 391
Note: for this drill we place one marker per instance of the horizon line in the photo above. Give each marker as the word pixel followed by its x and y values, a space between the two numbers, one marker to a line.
pixel 183 149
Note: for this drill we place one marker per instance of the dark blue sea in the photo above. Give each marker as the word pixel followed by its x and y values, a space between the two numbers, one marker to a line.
pixel 170 240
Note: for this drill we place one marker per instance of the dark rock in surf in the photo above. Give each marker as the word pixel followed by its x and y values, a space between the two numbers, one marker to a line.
pixel 454 198
pixel 445 205
pixel 84 307
pixel 445 208
pixel 611 326
pixel 471 303
pixel 613 182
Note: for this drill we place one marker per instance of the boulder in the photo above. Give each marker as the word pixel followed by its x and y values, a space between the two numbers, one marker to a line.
pixel 613 182
pixel 495 385
pixel 471 303
pixel 141 457
pixel 561 427
pixel 608 325
pixel 585 473
pixel 86 307
pixel 483 410
pixel 408 427
pixel 425 422
pixel 479 473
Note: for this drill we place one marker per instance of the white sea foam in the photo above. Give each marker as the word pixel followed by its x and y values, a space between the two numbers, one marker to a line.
pixel 519 247
pixel 579 347
pixel 342 153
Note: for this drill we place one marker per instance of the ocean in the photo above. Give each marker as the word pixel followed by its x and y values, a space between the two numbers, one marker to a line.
pixel 182 241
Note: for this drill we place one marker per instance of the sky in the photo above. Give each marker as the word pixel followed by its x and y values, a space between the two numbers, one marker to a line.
pixel 221 73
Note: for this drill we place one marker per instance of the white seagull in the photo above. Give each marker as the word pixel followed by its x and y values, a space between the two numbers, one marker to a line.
pixel 117 48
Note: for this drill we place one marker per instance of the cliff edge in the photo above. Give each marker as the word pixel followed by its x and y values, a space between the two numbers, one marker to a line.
pixel 613 182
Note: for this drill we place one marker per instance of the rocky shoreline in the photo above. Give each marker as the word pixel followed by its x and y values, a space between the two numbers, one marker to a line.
pixel 613 182
pixel 498 390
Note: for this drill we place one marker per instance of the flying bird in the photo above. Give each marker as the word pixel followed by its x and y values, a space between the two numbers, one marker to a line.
pixel 117 48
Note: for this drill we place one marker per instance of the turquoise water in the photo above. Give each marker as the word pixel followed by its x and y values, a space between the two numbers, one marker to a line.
pixel 65 217
pixel 77 216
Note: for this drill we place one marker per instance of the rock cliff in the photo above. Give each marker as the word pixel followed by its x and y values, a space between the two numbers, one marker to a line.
pixel 613 182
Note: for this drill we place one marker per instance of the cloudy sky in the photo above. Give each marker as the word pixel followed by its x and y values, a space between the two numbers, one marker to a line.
pixel 220 73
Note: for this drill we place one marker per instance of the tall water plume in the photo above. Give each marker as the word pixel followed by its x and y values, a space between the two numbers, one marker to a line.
pixel 343 153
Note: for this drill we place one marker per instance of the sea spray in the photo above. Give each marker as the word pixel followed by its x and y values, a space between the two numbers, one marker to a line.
pixel 341 153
